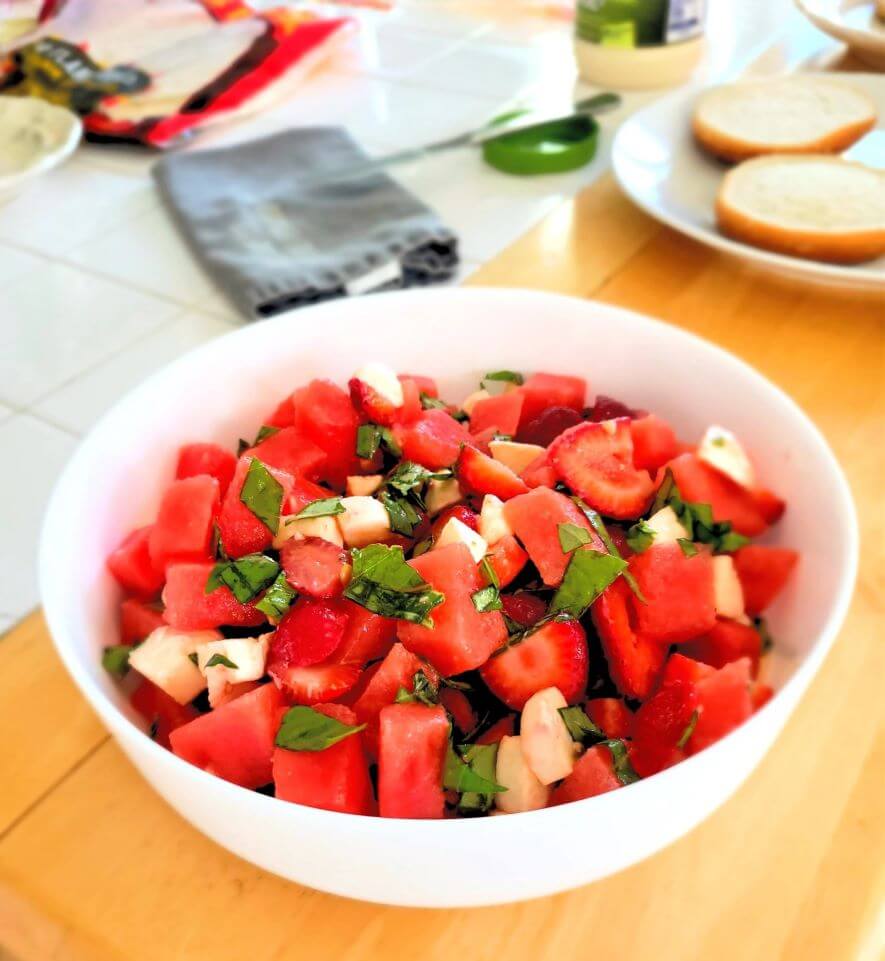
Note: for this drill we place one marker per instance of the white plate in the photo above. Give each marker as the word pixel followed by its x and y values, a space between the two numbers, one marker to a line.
pixel 853 22
pixel 662 169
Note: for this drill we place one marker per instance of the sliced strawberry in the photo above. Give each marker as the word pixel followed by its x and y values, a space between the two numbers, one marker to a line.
pixel 501 728
pixel 554 656
pixel 539 473
pixel 507 559
pixel 372 405
pixel 500 413
pixel 550 423
pixel 309 633
pixel 458 706
pixel 608 408
pixel 612 715
pixel 761 695
pixel 460 512
pixel 482 474
pixel 525 609
pixel 314 566
pixel 763 572
pixel 727 641
pixel 367 636
pixel 660 724
pixel 596 461
pixel 316 683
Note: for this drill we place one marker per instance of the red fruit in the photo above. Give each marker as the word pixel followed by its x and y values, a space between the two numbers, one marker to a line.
pixel 619 539
pixel 724 702
pixel 659 726
pixel 634 661
pixel 461 638
pixel 310 632
pixel 434 440
pixel 190 608
pixel 761 695
pixel 678 592
pixel 411 408
pixel 131 565
pixel 325 416
pixel 185 522
pixel 541 391
pixel 304 492
pixel 535 518
pixel 367 636
pixel 458 706
pixel 196 459
pixel 545 428
pixel 356 692
pixel 539 473
pixel 769 505
pixel 763 572
pixel 373 406
pixel 702 484
pixel 481 474
pixel 502 728
pixel 412 747
pixel 554 656
pixel 607 408
pixel 654 442
pixel 163 713
pixel 685 669
pixel 727 641
pixel 525 609
pixel 426 385
pixel 334 779
pixel 316 683
pixel 241 531
pixel 501 412
pixel 507 559
pixel 459 511
pixel 283 415
pixel 314 566
pixel 612 715
pixel 236 740
pixel 232 691
pixel 596 462
pixel 593 774
pixel 290 450
pixel 483 438
pixel 137 620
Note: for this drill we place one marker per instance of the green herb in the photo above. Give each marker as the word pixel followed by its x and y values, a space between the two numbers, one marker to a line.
pixel 729 541
pixel 762 628
pixel 262 493
pixel 518 633
pixel 507 376
pixel 460 415
pixel 217 547
pixel 383 583
pixel 470 770
pixel 115 659
pixel 571 537
pixel 409 477
pixel 432 403
pixel 246 576
pixel 580 727
pixel 192 657
pixel 424 691
pixel 389 443
pixel 265 431
pixel 404 516
pixel 689 548
pixel 588 574
pixel 324 507
pixel 621 762
pixel 401 495
pixel 598 525
pixel 304 729
pixel 242 446
pixel 640 537
pixel 697 519
pixel 368 437
pixel 422 547
pixel 718 441
pixel 487 599
pixel 489 572
pixel 504 438
pixel 277 600
pixel 689 730
pixel 219 660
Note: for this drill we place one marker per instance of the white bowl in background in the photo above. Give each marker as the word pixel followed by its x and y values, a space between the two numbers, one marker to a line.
pixel 220 392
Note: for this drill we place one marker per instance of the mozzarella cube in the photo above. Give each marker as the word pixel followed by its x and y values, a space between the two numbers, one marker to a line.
pixel 547 746
pixel 471 400
pixel 249 654
pixel 363 485
pixel 524 791
pixel 383 381
pixel 457 532
pixel 492 523
pixel 722 450
pixel 728 595
pixel 163 658
pixel 666 526
pixel 364 521
pixel 441 494
pixel 515 456
pixel 292 529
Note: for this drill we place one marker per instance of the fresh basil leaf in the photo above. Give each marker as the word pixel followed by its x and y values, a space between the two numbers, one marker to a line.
pixel 487 599
pixel 368 437
pixel 115 659
pixel 304 729
pixel 689 549
pixel 389 442
pixel 598 525
pixel 621 762
pixel 324 507
pixel 588 574
pixel 265 431
pixel 761 626
pixel 247 576
pixel 689 730
pixel 277 600
pixel 219 660
pixel 432 403
pixel 242 446
pixel 729 542
pixel 262 493
pixel 383 583
pixel 665 493
pixel 580 727
pixel 489 572
pixel 422 547
pixel 470 770
pixel 718 441
pixel 403 696
pixel 518 633
pixel 424 691
pixel 192 657
pixel 404 517
pixel 571 537
pixel 640 537
pixel 460 415
pixel 697 519
pixel 217 547
pixel 507 376
pixel 408 477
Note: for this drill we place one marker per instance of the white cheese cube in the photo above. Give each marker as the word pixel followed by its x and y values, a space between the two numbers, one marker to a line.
pixel 666 526
pixel 292 529
pixel 471 400
pixel 515 456
pixel 547 746
pixel 728 595
pixel 383 380
pixel 364 521
pixel 492 523
pixel 249 654
pixel 722 450
pixel 457 532
pixel 441 494
pixel 363 485
pixel 524 791
pixel 162 657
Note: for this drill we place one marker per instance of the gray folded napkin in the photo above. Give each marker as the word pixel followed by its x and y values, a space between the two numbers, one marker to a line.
pixel 273 238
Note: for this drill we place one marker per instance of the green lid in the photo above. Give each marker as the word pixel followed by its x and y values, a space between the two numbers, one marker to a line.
pixel 553 146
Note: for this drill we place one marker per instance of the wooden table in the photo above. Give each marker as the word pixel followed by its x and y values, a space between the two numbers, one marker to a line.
pixel 93 865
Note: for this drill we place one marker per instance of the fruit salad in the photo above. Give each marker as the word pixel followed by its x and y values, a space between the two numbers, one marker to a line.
pixel 390 604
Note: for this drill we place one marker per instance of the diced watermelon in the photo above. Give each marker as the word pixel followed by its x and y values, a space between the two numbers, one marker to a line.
pixel 412 748
pixel 283 415
pixel 196 459
pixel 681 668
pixel 434 440
pixel 458 707
pixel 545 428
pixel 291 451
pixel 507 559
pixel 426 385
pixel 501 728
pixel 660 727
pixel 325 415
pixel 461 637
pixel 611 715
pixel 769 505
pixel 185 521
pixel 678 591
pixel 700 483
pixel 334 779
pixel 236 740
pixel 314 566
pixel 190 608
pixel 593 774
pixel 241 531
pixel 501 412
pixel 367 636
pixel 411 408
pixel 727 641
pixel 304 492
pixel 163 713
pixel 132 567
pixel 535 518
pixel 480 474
pixel 523 608
pixel 724 702
pixel 542 390
pixel 654 442
pixel 539 473
pixel 763 572
pixel 137 620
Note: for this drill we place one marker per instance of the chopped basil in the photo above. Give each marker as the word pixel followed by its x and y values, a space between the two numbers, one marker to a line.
pixel 489 572
pixel 383 583
pixel 598 525
pixel 402 495
pixel 470 770
pixel 115 659
pixel 324 507
pixel 487 599
pixel 571 537
pixel 718 441
pixel 621 762
pixel 246 576
pixel 640 537
pixel 518 633
pixel 304 729
pixel 460 415
pixel 762 629
pixel 507 376
pixel 422 547
pixel 265 431
pixel 424 691
pixel 409 477
pixel 689 730
pixel 580 727
pixel 219 660
pixel 588 574
pixel 729 541
pixel 389 443
pixel 368 437
pixel 217 547
pixel 432 403
pixel 262 493
pixel 192 657
pixel 242 446
pixel 689 548
pixel 277 600
pixel 403 515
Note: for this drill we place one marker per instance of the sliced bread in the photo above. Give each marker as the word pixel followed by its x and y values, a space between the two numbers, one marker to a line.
pixel 799 114
pixel 814 206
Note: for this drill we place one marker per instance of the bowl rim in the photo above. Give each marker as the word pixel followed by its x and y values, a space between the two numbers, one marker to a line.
pixel 122 728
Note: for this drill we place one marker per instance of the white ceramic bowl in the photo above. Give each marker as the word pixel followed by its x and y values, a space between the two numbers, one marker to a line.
pixel 220 392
